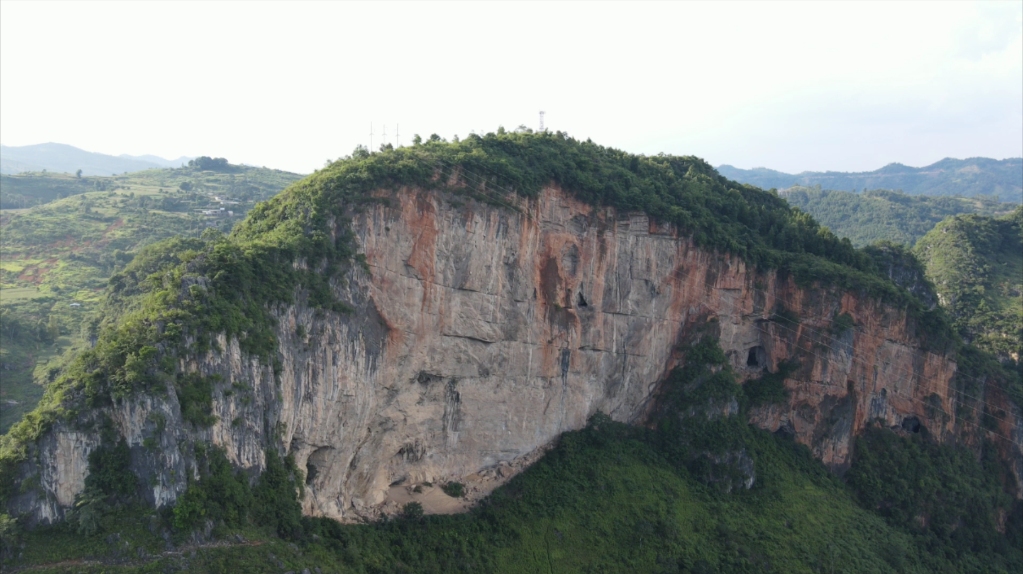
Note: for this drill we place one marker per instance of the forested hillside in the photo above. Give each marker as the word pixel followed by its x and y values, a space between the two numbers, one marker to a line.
pixel 962 177
pixel 976 264
pixel 56 257
pixel 880 214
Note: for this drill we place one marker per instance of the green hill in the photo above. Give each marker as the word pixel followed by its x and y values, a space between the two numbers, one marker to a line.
pixel 976 265
pixel 57 257
pixel 970 177
pixel 880 214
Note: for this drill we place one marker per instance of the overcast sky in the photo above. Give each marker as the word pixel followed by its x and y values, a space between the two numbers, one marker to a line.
pixel 800 86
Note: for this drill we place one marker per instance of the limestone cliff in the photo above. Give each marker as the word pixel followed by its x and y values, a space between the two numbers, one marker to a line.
pixel 482 332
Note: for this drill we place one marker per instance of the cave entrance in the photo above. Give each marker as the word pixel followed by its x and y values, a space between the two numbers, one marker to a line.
pixel 316 462
pixel 757 357
pixel 581 301
pixel 911 424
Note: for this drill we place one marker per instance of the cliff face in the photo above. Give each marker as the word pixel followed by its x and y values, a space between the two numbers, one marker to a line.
pixel 481 333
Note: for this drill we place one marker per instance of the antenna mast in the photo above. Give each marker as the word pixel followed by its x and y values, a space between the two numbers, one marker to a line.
pixel 384 136
pixel 397 136
pixel 541 119
pixel 370 137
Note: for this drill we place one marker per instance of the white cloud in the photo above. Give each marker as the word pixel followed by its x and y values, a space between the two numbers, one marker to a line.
pixel 793 86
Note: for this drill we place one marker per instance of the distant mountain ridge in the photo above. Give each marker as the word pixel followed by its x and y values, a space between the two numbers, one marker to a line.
pixel 159 160
pixel 65 158
pixel 964 177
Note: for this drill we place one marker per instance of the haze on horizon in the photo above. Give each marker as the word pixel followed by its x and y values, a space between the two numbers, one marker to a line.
pixel 789 86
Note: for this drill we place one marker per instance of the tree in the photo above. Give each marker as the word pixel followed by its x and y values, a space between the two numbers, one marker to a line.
pixel 412 511
pixel 208 163
pixel 416 140
pixel 78 174
pixel 360 152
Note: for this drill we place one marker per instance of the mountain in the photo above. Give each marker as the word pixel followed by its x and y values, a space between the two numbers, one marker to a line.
pixel 963 177
pixel 180 162
pixel 619 363
pixel 880 214
pixel 64 158
pixel 976 265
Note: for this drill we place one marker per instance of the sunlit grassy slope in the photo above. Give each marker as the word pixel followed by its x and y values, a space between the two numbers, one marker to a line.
pixel 67 235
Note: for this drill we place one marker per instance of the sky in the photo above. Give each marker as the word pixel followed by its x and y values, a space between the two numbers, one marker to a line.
pixel 790 86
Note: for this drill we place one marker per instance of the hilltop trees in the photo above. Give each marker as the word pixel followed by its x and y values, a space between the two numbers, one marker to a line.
pixel 207 163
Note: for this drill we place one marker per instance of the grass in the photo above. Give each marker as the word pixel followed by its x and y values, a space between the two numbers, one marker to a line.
pixel 16 293
pixel 12 267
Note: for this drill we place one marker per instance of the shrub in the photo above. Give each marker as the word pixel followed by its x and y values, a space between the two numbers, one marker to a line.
pixel 841 323
pixel 454 489
pixel 769 388
pixel 412 511
pixel 110 471
pixel 195 395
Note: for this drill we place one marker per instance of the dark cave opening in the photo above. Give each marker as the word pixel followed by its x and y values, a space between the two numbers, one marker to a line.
pixel 757 357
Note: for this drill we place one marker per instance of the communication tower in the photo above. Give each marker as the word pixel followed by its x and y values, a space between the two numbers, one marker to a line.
pixel 541 119
pixel 370 137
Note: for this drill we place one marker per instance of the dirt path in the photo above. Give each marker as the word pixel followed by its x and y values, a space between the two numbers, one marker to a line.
pixel 113 227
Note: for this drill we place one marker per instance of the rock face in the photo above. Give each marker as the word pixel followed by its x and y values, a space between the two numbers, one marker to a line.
pixel 481 333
